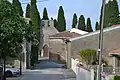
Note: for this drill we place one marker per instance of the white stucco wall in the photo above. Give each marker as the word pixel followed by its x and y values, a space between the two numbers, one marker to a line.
pixel 81 73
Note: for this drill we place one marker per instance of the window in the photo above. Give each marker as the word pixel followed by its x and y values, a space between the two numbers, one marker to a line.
pixel 48 23
pixel 42 23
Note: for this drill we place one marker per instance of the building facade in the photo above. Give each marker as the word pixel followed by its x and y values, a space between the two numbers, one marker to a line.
pixel 111 45
pixel 47 30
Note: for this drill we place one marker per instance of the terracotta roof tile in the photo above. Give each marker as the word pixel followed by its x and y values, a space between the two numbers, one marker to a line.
pixel 116 51
pixel 115 25
pixel 65 35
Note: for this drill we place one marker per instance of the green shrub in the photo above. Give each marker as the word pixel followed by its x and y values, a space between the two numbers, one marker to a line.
pixel 117 78
pixel 88 55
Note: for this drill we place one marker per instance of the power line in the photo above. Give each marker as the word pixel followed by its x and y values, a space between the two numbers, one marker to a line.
pixel 36 1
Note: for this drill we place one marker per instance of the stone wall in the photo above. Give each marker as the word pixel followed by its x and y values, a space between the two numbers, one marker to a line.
pixel 47 30
pixel 111 42
pixel 57 46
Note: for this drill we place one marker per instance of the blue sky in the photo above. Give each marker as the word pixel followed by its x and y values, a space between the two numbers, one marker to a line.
pixel 88 8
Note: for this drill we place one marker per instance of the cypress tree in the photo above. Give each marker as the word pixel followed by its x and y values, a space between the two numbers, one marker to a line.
pixel 55 23
pixel 97 27
pixel 89 26
pixel 74 22
pixel 51 18
pixel 61 20
pixel 111 16
pixel 35 18
pixel 114 17
pixel 17 4
pixel 33 2
pixel 81 23
pixel 27 11
pixel 45 14
pixel 119 18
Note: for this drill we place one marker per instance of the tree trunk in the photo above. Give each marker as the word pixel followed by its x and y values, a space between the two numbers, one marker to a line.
pixel 28 54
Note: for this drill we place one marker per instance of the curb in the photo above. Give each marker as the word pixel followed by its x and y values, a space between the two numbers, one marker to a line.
pixel 69 74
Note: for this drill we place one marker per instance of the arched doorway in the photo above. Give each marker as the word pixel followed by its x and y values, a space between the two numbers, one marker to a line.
pixel 45 51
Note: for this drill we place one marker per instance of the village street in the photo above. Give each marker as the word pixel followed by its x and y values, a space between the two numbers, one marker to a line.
pixel 46 70
pixel 43 74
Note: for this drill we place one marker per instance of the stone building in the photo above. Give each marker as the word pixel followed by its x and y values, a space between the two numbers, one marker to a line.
pixel 111 46
pixel 47 30
pixel 90 41
pixel 59 45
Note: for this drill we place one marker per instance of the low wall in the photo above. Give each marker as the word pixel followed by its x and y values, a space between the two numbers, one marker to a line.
pixel 81 72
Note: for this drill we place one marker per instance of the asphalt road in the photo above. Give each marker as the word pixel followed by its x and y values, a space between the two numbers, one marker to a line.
pixel 45 70
pixel 44 74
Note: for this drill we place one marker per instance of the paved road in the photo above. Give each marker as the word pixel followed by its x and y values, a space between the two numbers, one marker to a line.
pixel 52 72
pixel 44 74
pixel 47 64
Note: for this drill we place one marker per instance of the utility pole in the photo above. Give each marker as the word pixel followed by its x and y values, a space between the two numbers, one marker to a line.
pixel 100 50
pixel 4 68
pixel 20 64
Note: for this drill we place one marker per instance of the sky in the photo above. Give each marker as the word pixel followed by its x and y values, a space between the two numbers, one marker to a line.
pixel 88 8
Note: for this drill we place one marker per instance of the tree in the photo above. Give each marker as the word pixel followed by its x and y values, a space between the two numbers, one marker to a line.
pixel 45 14
pixel 17 4
pixel 36 21
pixel 27 11
pixel 51 18
pixel 55 23
pixel 119 18
pixel 33 2
pixel 13 29
pixel 74 22
pixel 81 23
pixel 35 17
pixel 88 55
pixel 114 17
pixel 89 26
pixel 111 16
pixel 97 26
pixel 61 20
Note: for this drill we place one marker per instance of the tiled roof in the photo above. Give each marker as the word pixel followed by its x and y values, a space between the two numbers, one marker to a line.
pixel 116 51
pixel 65 35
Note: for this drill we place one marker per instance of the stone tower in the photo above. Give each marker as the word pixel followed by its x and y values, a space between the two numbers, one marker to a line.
pixel 47 30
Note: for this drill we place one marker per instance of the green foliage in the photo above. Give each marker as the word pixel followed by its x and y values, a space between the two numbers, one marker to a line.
pixel 88 55
pixel 12 29
pixel 61 20
pixel 111 16
pixel 35 17
pixel 18 7
pixel 89 26
pixel 81 23
pixel 33 2
pixel 116 77
pixel 27 11
pixel 74 22
pixel 45 14
pixel 34 55
pixel 55 23
pixel 97 26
